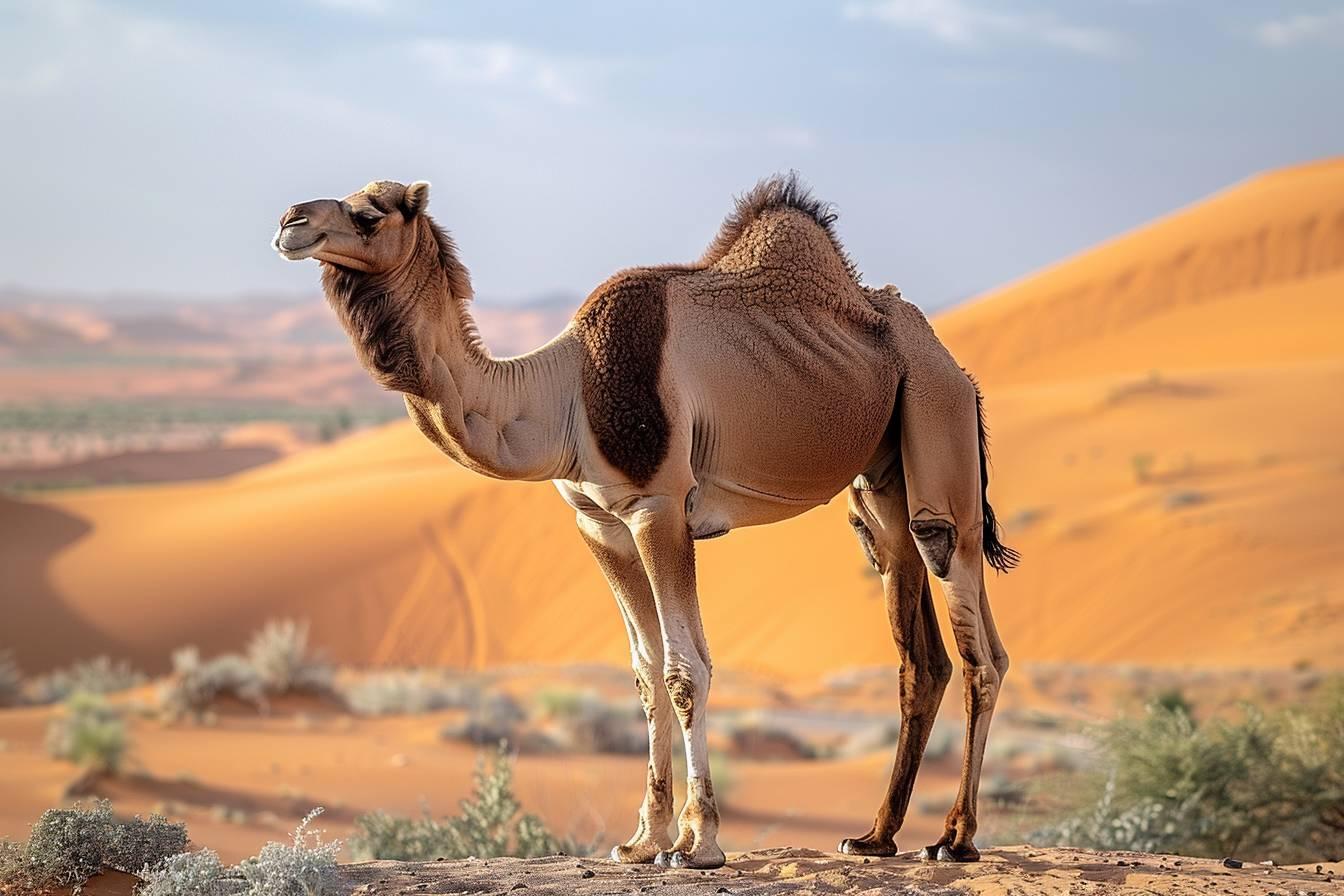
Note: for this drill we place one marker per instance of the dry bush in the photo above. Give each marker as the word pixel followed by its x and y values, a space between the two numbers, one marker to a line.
pixel 304 867
pixel 68 846
pixel 490 825
pixel 195 683
pixel 409 692
pixel 100 675
pixel 583 722
pixel 282 662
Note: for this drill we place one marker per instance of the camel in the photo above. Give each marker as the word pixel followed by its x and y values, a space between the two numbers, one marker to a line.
pixel 684 401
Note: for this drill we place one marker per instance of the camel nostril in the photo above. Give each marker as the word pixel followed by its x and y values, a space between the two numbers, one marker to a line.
pixel 295 221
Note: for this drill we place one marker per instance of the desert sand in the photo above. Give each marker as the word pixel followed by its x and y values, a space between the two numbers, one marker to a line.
pixel 1016 870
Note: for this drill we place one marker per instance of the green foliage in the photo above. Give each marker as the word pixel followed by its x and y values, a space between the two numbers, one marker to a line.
pixel 99 675
pixel 11 680
pixel 90 732
pixel 68 846
pixel 280 658
pixel 1261 787
pixel 489 826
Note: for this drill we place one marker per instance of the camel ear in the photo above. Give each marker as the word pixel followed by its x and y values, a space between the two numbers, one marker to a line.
pixel 416 198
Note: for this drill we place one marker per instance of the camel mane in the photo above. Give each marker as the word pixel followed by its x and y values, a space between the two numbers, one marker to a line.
pixel 779 191
pixel 382 324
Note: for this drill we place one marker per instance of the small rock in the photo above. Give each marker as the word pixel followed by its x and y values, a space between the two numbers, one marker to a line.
pixel 518 886
pixel 586 873
pixel 1232 863
pixel 1269 862
pixel 1318 869
pixel 722 890
pixel 866 860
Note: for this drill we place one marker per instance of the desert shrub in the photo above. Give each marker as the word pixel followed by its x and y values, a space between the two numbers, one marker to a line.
pixel 753 736
pixel 68 846
pixel 304 867
pixel 408 692
pixel 99 675
pixel 188 874
pixel 11 680
pixel 583 722
pixel 90 732
pixel 195 683
pixel 490 825
pixel 493 718
pixel 872 738
pixel 1260 787
pixel 280 658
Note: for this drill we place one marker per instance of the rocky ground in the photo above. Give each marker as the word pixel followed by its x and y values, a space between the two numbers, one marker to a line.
pixel 1020 871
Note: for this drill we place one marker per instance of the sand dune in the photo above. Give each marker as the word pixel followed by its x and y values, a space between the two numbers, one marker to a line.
pixel 1167 435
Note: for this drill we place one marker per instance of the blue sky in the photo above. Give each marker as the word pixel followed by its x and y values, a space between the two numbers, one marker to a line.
pixel 153 146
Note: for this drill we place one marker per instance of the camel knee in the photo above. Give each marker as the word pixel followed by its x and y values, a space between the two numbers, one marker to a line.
pixel 867 541
pixel 937 544
pixel 982 684
pixel 686 679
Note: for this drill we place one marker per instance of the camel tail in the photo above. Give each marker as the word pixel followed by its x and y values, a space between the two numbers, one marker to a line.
pixel 997 554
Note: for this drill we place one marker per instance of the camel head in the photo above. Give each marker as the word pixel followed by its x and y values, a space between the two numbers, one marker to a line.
pixel 372 230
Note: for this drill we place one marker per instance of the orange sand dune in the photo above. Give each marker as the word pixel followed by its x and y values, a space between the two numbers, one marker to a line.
pixel 1167 433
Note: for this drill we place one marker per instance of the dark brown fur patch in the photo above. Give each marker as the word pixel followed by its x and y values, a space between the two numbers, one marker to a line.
pixel 622 327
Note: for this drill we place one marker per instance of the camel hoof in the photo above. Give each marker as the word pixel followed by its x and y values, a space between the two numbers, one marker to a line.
pixel 677 858
pixel 624 854
pixel 861 846
pixel 957 853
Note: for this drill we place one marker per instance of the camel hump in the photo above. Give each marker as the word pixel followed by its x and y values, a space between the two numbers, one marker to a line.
pixel 622 327
pixel 779 193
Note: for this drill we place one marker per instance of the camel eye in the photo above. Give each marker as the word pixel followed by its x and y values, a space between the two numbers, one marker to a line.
pixel 367 220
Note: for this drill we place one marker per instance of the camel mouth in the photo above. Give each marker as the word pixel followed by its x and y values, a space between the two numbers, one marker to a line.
pixel 297 253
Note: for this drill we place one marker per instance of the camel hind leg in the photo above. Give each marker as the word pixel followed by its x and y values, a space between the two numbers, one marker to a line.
pixel 941 453
pixel 880 517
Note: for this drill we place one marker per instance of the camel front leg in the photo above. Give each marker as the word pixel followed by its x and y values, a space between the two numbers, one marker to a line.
pixel 664 543
pixel 614 549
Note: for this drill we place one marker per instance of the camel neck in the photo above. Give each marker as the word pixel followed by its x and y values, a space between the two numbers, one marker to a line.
pixel 508 418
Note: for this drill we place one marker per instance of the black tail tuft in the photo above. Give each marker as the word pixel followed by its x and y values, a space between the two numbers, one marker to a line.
pixel 997 554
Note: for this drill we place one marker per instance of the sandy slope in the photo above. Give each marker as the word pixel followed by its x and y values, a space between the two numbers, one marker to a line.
pixel 1167 454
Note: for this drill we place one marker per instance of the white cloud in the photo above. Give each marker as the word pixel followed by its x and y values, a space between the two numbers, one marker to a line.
pixel 963 24
pixel 502 65
pixel 1294 30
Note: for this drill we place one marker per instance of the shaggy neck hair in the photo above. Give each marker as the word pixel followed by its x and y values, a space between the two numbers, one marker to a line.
pixel 381 311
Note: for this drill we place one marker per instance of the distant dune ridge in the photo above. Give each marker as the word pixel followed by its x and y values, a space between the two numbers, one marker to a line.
pixel 1164 412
